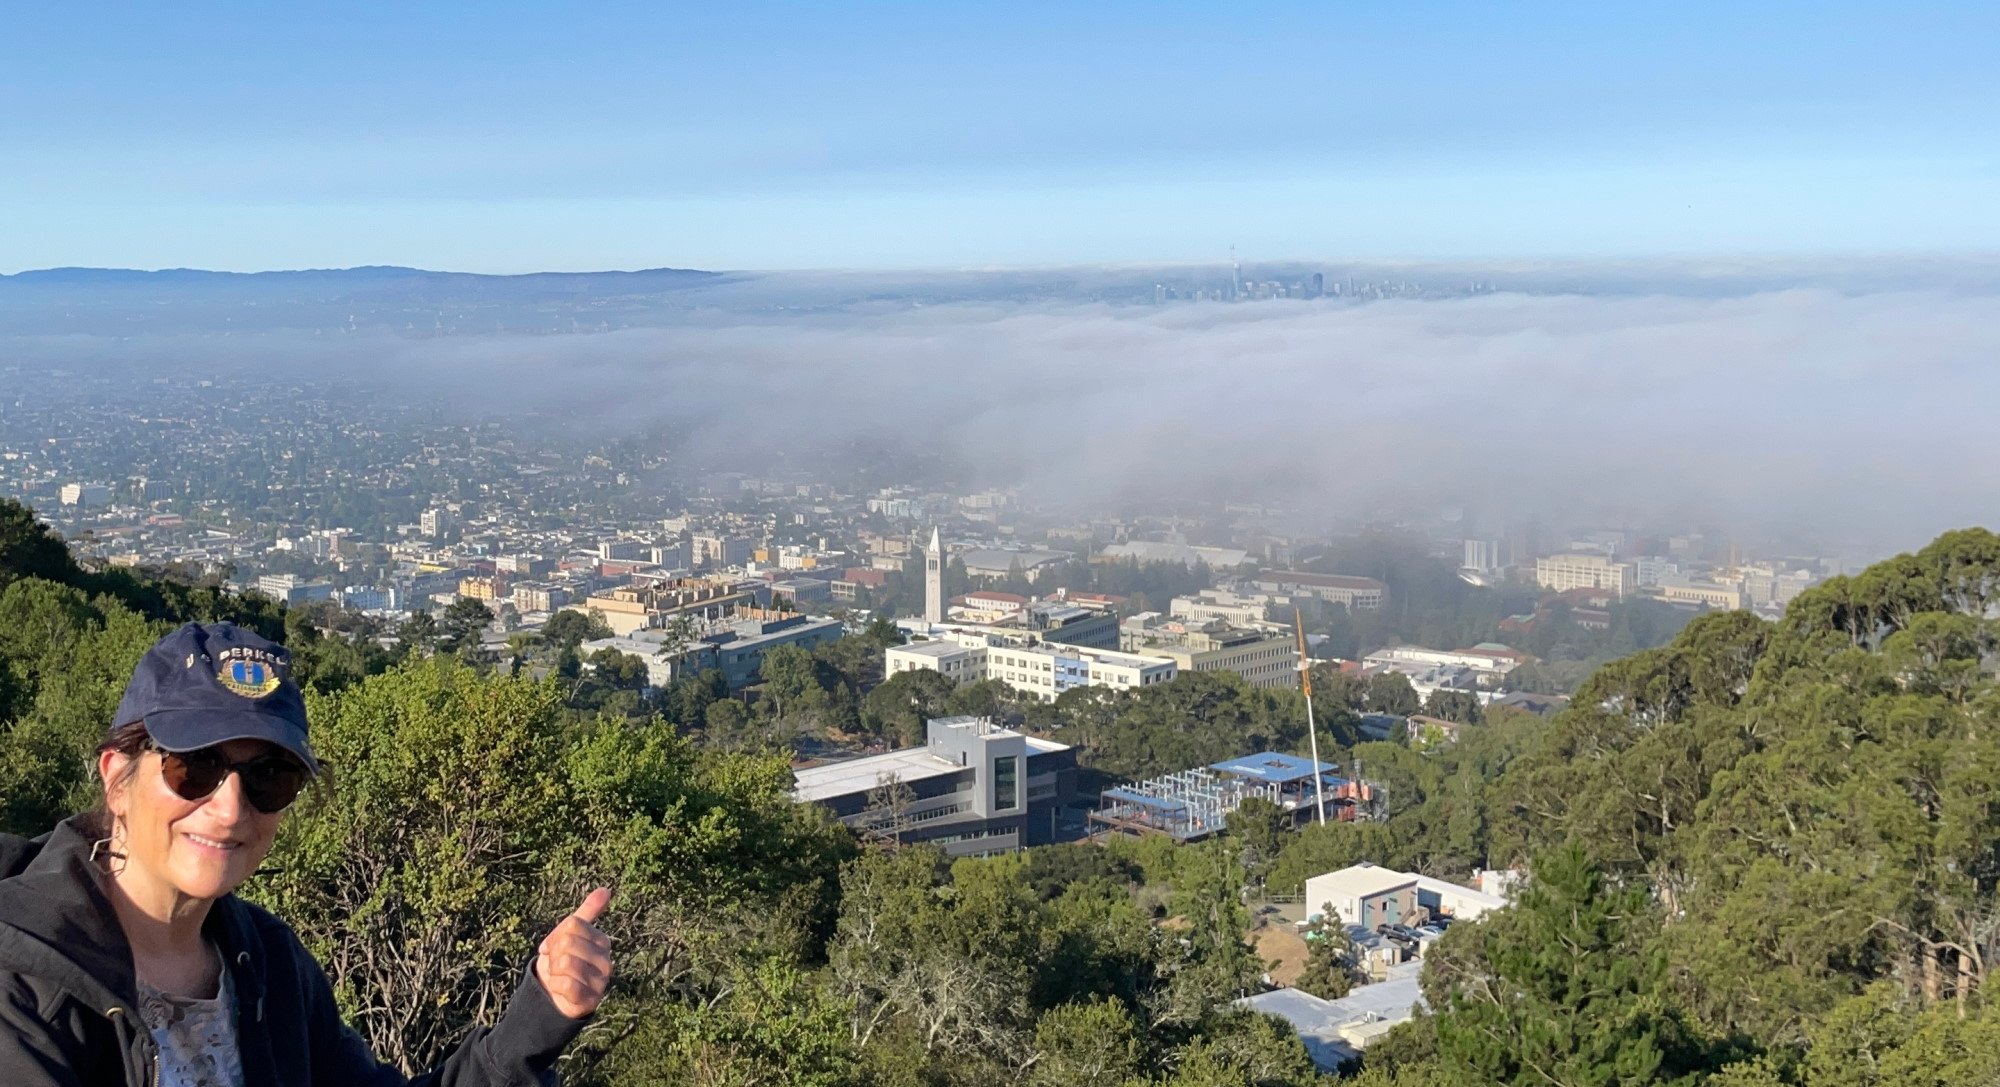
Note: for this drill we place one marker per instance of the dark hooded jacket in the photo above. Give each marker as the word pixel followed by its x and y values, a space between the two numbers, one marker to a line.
pixel 67 994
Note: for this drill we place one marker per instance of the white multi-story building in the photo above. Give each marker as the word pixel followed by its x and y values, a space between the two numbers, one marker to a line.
pixel 1354 593
pixel 292 589
pixel 1236 609
pixel 86 495
pixel 1488 665
pixel 1769 586
pixel 717 551
pixel 1044 671
pixel 1482 556
pixel 621 550
pixel 1653 570
pixel 436 521
pixel 1573 570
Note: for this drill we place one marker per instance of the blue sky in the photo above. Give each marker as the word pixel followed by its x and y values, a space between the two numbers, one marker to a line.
pixel 498 137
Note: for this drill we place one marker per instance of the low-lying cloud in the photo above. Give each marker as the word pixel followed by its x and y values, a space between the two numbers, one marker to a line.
pixel 1863 421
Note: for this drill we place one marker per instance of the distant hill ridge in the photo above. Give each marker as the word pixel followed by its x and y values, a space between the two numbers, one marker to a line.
pixel 91 276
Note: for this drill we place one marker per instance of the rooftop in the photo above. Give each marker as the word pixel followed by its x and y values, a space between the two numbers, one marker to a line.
pixel 930 648
pixel 1273 767
pixel 859 775
pixel 1360 881
pixel 1319 1023
pixel 846 776
pixel 991 558
pixel 1335 581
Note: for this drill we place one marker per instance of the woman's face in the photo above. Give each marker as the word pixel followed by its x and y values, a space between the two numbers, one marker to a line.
pixel 199 848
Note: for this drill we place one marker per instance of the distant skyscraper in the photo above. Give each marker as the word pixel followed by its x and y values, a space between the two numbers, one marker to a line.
pixel 934 579
pixel 1482 555
pixel 436 522
pixel 1319 284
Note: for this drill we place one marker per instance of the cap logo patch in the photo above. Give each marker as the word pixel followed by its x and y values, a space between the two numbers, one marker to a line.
pixel 252 673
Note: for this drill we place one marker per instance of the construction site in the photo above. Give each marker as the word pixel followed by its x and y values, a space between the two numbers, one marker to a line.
pixel 1188 805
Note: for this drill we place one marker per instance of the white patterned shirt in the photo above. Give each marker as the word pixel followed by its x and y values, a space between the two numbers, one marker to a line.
pixel 196 1038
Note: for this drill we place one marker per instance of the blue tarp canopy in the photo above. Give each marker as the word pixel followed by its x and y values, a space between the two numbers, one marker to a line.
pixel 1272 767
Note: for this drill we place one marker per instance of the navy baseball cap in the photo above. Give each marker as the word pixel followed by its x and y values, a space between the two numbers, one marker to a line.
pixel 205 684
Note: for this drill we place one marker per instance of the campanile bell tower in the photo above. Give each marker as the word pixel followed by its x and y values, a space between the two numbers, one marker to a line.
pixel 934 579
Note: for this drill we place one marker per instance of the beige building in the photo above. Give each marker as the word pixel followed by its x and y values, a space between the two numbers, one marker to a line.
pixel 1263 659
pixel 633 608
pixel 1710 593
pixel 1561 573
pixel 482 588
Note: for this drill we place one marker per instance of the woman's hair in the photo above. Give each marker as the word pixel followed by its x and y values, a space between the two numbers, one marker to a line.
pixel 129 740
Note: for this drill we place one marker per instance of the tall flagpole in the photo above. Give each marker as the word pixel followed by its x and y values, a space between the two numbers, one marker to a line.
pixel 1312 727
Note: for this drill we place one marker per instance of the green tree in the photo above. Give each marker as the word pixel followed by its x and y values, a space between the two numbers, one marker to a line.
pixel 418 635
pixel 1460 706
pixel 569 628
pixel 462 625
pixel 1087 1044
pixel 1390 692
pixel 897 709
pixel 726 726
pixel 1562 988
pixel 1261 828
pixel 30 548
pixel 1332 963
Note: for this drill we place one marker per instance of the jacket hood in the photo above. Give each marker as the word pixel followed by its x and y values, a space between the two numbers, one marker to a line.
pixel 56 921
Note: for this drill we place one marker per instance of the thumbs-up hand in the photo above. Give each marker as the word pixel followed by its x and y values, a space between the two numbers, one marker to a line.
pixel 574 962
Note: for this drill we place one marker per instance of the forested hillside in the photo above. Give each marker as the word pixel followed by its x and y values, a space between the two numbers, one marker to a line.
pixel 1766 849
pixel 1763 854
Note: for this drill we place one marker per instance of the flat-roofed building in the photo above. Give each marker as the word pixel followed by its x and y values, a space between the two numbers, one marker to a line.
pixel 961 664
pixel 1711 594
pixel 802 591
pixel 974 789
pixel 641 607
pixel 1263 659
pixel 483 588
pixel 1353 593
pixel 1365 895
pixel 1044 671
pixel 1561 573
pixel 1368 895
pixel 529 566
pixel 1236 609
pixel 1489 662
pixel 1031 563
pixel 715 551
pixel 986 606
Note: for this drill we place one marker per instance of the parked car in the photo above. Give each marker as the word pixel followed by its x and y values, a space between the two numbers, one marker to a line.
pixel 1402 934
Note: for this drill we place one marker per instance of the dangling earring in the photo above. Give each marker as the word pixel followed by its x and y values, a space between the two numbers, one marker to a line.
pixel 111 849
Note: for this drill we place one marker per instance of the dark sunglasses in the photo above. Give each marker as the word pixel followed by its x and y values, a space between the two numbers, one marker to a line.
pixel 270 782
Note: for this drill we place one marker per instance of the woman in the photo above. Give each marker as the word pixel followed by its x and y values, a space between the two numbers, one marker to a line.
pixel 125 958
